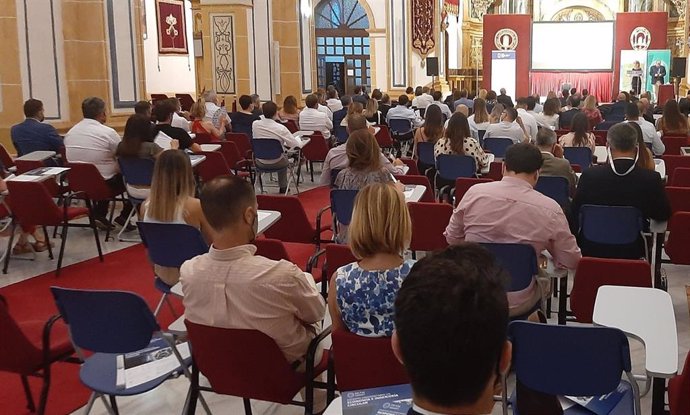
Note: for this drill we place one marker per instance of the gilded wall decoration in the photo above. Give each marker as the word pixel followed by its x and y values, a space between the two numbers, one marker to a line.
pixel 223 47
pixel 578 14
pixel 479 8
pixel 423 26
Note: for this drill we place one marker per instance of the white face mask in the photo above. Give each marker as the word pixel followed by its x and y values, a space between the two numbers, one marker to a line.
pixel 613 167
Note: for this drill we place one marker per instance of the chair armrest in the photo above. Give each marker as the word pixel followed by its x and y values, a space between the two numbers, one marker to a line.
pixel 319 228
pixel 311 351
pixel 314 259
pixel 47 328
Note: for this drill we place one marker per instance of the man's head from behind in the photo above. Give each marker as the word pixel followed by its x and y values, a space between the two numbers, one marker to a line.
pixel 509 115
pixel 246 103
pixel 93 108
pixel 523 160
pixel 229 205
pixel 164 111
pixel 451 317
pixel 33 108
pixel 403 100
pixel 546 139
pixel 143 108
pixel 622 140
pixel 269 109
pixel 632 112
pixel 312 101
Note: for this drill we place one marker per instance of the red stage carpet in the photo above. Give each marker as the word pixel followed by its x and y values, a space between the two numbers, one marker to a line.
pixel 127 270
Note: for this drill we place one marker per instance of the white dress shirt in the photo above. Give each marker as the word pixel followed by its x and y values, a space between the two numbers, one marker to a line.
pixel 326 111
pixel 548 121
pixel 180 122
pixel 444 109
pixel 650 135
pixel 89 141
pixel 334 104
pixel 422 101
pixel 529 122
pixel 505 129
pixel 311 119
pixel 474 127
pixel 269 128
pixel 402 112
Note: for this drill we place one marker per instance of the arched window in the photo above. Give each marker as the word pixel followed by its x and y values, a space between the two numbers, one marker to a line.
pixel 341 14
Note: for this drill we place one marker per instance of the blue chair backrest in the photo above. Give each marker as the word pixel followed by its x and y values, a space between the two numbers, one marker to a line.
pixel 267 148
pixel 519 260
pixel 613 225
pixel 334 175
pixel 450 167
pixel 342 204
pixel 106 321
pixel 497 145
pixel 551 359
pixel 171 244
pixel 425 151
pixel 555 187
pixel 581 156
pixel 340 134
pixel 136 171
pixel 241 128
pixel 480 134
pixel 400 125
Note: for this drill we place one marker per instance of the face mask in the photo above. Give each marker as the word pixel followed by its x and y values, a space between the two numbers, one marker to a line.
pixel 613 167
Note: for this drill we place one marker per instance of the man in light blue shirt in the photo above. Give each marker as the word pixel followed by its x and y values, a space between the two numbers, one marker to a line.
pixel 401 111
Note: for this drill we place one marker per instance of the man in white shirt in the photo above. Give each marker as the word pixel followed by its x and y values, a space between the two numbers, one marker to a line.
pixel 91 141
pixel 649 133
pixel 444 108
pixel 321 97
pixel 401 111
pixel 177 120
pixel 311 119
pixel 268 127
pixel 213 111
pixel 509 127
pixel 528 119
pixel 423 100
pixel 333 102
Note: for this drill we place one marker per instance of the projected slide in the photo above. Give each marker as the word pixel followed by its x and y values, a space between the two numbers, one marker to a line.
pixel 572 46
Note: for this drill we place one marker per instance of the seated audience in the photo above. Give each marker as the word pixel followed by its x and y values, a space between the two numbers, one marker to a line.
pixel 244 117
pixel 479 120
pixel 645 111
pixel 549 116
pixel 372 113
pixel 578 135
pixel 566 117
pixel 437 101
pixel 202 125
pixel 495 114
pixel 592 112
pixel 529 122
pixel 463 100
pixel 33 134
pixel 401 111
pixel 461 109
pixel 649 133
pixel 178 120
pixel 333 102
pixel 616 112
pixel 355 108
pixel 552 154
pixel 621 183
pixel 511 211
pixel 91 141
pixel 510 127
pixel 23 246
pixel 409 92
pixel 311 119
pixel 458 140
pixel 164 112
pixel 385 106
pixel 504 99
pixel 362 293
pixel 214 112
pixel 432 129
pixel 230 287
pixel 482 94
pixel 377 95
pixel 321 98
pixel 451 319
pixel 422 99
pixel 143 108
pixel 364 163
pixel 289 112
pixel 491 100
pixel 268 128
pixel 565 94
pixel 673 122
pixel 359 96
pixel 256 102
pixel 684 106
pixel 337 158
pixel 645 158
pixel 341 114
pixel 172 201
pixel 534 107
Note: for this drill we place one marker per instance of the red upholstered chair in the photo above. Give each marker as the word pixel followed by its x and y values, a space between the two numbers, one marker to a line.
pixel 676 245
pixel 337 255
pixel 600 137
pixel 411 179
pixel 29 348
pixel 31 204
pixel 315 151
pixel 592 273
pixel 249 364
pixel 295 226
pixel 298 254
pixel 186 101
pixel 204 138
pixel 291 126
pixel 495 171
pixel 463 184
pixel 429 221
pixel 214 166
pixel 242 142
pixel 240 165
pixel 681 177
pixel 383 137
pixel 679 197
pixel 5 158
pixel 365 362
pixel 673 143
pixel 25 165
pixel 679 391
pixel 673 162
pixel 412 165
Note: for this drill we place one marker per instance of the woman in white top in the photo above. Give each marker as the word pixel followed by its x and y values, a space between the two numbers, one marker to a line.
pixel 549 117
pixel 579 136
pixel 172 201
pixel 480 119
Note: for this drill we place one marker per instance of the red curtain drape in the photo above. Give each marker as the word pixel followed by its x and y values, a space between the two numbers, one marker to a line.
pixel 599 84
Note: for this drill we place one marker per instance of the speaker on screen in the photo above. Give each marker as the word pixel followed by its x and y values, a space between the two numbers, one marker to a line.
pixel 679 67
pixel 431 66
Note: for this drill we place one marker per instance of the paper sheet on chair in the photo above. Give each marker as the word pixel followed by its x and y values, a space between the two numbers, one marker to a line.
pixel 163 140
pixel 147 364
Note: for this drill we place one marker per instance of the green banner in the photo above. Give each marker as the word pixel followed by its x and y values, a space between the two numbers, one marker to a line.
pixel 664 58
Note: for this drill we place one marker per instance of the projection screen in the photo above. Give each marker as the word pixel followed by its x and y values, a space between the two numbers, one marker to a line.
pixel 577 46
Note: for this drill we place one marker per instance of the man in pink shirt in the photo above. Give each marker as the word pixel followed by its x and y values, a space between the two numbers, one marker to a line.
pixel 511 211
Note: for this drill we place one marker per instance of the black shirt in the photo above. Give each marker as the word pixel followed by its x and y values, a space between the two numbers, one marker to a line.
pixel 176 133
pixel 242 122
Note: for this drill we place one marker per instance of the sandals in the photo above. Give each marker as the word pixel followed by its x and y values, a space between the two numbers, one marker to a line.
pixel 21 249
pixel 40 246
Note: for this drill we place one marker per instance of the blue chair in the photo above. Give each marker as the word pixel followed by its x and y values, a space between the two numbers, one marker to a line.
pixel 497 146
pixel 555 187
pixel 334 175
pixel 519 260
pixel 450 167
pixel 400 126
pixel 582 156
pixel 551 359
pixel 425 154
pixel 112 323
pixel 342 204
pixel 244 129
pixel 170 245
pixel 340 134
pixel 480 135
pixel 271 149
pixel 135 172
pixel 614 227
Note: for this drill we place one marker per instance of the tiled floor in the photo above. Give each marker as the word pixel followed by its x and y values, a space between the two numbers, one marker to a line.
pixel 170 397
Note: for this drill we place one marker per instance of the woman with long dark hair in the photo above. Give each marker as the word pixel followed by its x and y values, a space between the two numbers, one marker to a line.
pixel 579 136
pixel 673 122
pixel 459 141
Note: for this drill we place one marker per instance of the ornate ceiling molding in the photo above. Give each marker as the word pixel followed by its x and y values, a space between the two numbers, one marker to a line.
pixel 423 13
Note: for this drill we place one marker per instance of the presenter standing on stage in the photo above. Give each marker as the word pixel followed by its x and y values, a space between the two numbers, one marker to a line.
pixel 636 74
pixel 658 73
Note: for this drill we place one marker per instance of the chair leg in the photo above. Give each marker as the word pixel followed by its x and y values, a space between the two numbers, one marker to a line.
pixel 8 254
pixel 311 170
pixel 309 397
pixel 92 223
pixel 27 391
pixel 113 403
pixel 89 405
pixel 50 248
pixel 107 405
pixel 110 219
pixel 62 248
pixel 44 390
pixel 193 392
pixel 247 407
pixel 160 304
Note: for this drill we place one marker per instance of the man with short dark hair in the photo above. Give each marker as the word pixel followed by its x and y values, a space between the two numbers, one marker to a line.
pixel 511 126
pixel 533 105
pixel 178 120
pixel 621 183
pixel 554 165
pixel 311 119
pixel 231 287
pixel 401 111
pixel 422 100
pixel 33 134
pixel 385 105
pixel 566 117
pixel 358 95
pixel 451 319
pixel 164 114
pixel 143 108
pixel 243 119
pixel 437 95
pixel 333 102
pixel 339 115
pixel 511 211
pixel 649 133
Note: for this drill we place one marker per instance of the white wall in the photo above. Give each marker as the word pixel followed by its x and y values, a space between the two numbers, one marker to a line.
pixel 176 73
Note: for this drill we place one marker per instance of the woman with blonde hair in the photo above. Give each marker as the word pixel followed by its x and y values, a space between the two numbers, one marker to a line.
pixel 289 110
pixel 482 94
pixel 592 112
pixel 362 293
pixel 372 113
pixel 205 126
pixel 479 120
pixel 353 108
pixel 172 201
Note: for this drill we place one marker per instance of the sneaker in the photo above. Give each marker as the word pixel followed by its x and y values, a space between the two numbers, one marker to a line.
pixel 103 223
pixel 120 220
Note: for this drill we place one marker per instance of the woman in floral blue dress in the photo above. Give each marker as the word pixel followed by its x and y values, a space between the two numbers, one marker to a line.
pixel 362 294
